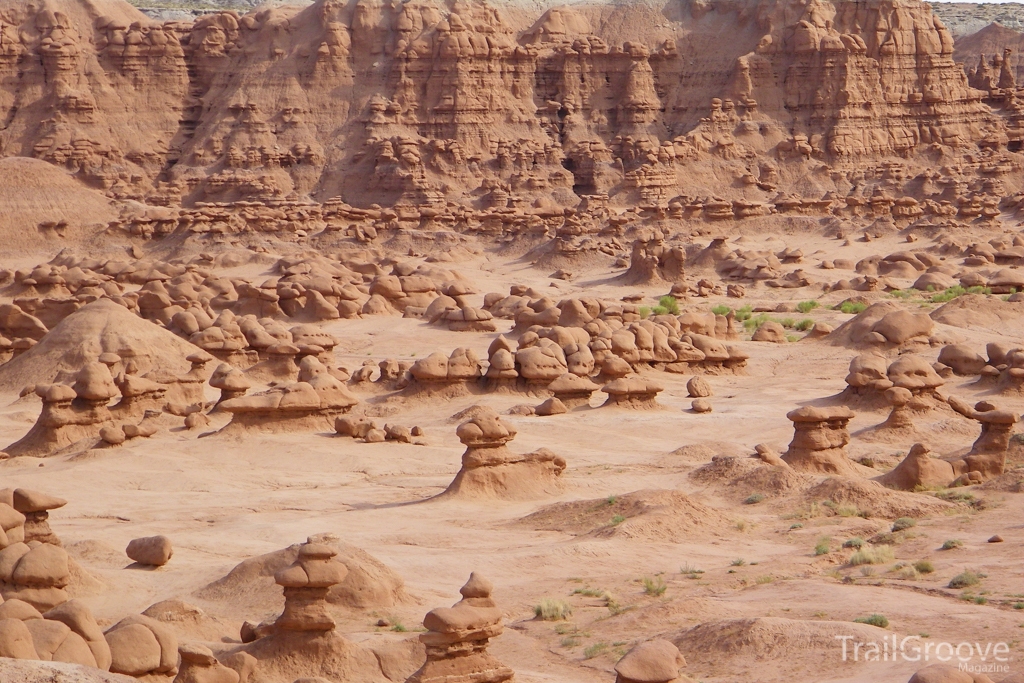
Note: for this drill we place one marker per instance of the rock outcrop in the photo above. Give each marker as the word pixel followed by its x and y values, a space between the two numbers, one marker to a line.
pixel 490 470
pixel 457 638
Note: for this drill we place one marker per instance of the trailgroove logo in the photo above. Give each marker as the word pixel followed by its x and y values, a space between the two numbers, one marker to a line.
pixel 970 657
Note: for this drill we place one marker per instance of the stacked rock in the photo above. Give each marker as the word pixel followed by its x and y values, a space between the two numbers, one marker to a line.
pixel 457 638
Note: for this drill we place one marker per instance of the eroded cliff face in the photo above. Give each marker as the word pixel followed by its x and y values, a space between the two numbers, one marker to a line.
pixel 425 103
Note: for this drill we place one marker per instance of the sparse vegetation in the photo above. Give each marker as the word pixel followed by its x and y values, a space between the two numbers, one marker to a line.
pixel 852 307
pixel 550 609
pixel 966 579
pixel 744 313
pixel 854 543
pixel 903 523
pixel 753 499
pixel 824 546
pixel 878 620
pixel 617 520
pixel 690 572
pixel 737 563
pixel 594 650
pixel 872 555
pixel 667 305
pixel 645 312
pixel 806 307
pixel 953 292
pixel 721 310
pixel 767 578
pixel 805 325
pixel 924 566
pixel 654 586
pixel 952 544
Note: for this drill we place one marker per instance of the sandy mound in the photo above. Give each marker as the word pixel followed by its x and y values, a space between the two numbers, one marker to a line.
pixel 368 584
pixel 875 500
pixel 725 469
pixel 101 327
pixel 765 638
pixel 973 311
pixel 43 205
pixel 651 514
pixel 705 451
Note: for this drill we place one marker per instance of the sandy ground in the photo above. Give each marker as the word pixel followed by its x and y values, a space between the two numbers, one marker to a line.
pixel 222 499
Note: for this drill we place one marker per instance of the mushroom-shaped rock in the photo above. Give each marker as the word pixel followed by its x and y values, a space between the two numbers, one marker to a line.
pixel 36 507
pixel 490 470
pixel 868 373
pixel 155 551
pixel 231 381
pixel 654 661
pixel 820 437
pixel 572 390
pixel 306 584
pixel 457 638
pixel 633 392
pixel 914 373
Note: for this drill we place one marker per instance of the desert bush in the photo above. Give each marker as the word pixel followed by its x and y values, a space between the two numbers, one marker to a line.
pixel 869 555
pixel 550 609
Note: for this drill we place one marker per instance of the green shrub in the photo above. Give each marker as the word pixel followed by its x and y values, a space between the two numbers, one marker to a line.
pixel 857 543
pixel 879 555
pixel 853 307
pixel 659 310
pixel 952 544
pixel 824 546
pixel 807 306
pixel 645 312
pixel 751 324
pixel 753 499
pixel 595 650
pixel 980 600
pixel 617 520
pixel 965 579
pixel 903 523
pixel 1018 605
pixel 744 313
pixel 721 310
pixel 550 609
pixel 655 586
pixel 788 323
pixel 878 620
pixel 924 566
pixel 737 563
pixel 805 325
pixel 767 578
pixel 669 303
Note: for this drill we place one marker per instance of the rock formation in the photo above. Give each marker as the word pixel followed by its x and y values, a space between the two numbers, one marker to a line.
pixel 490 470
pixel 457 638
pixel 820 437
pixel 654 661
